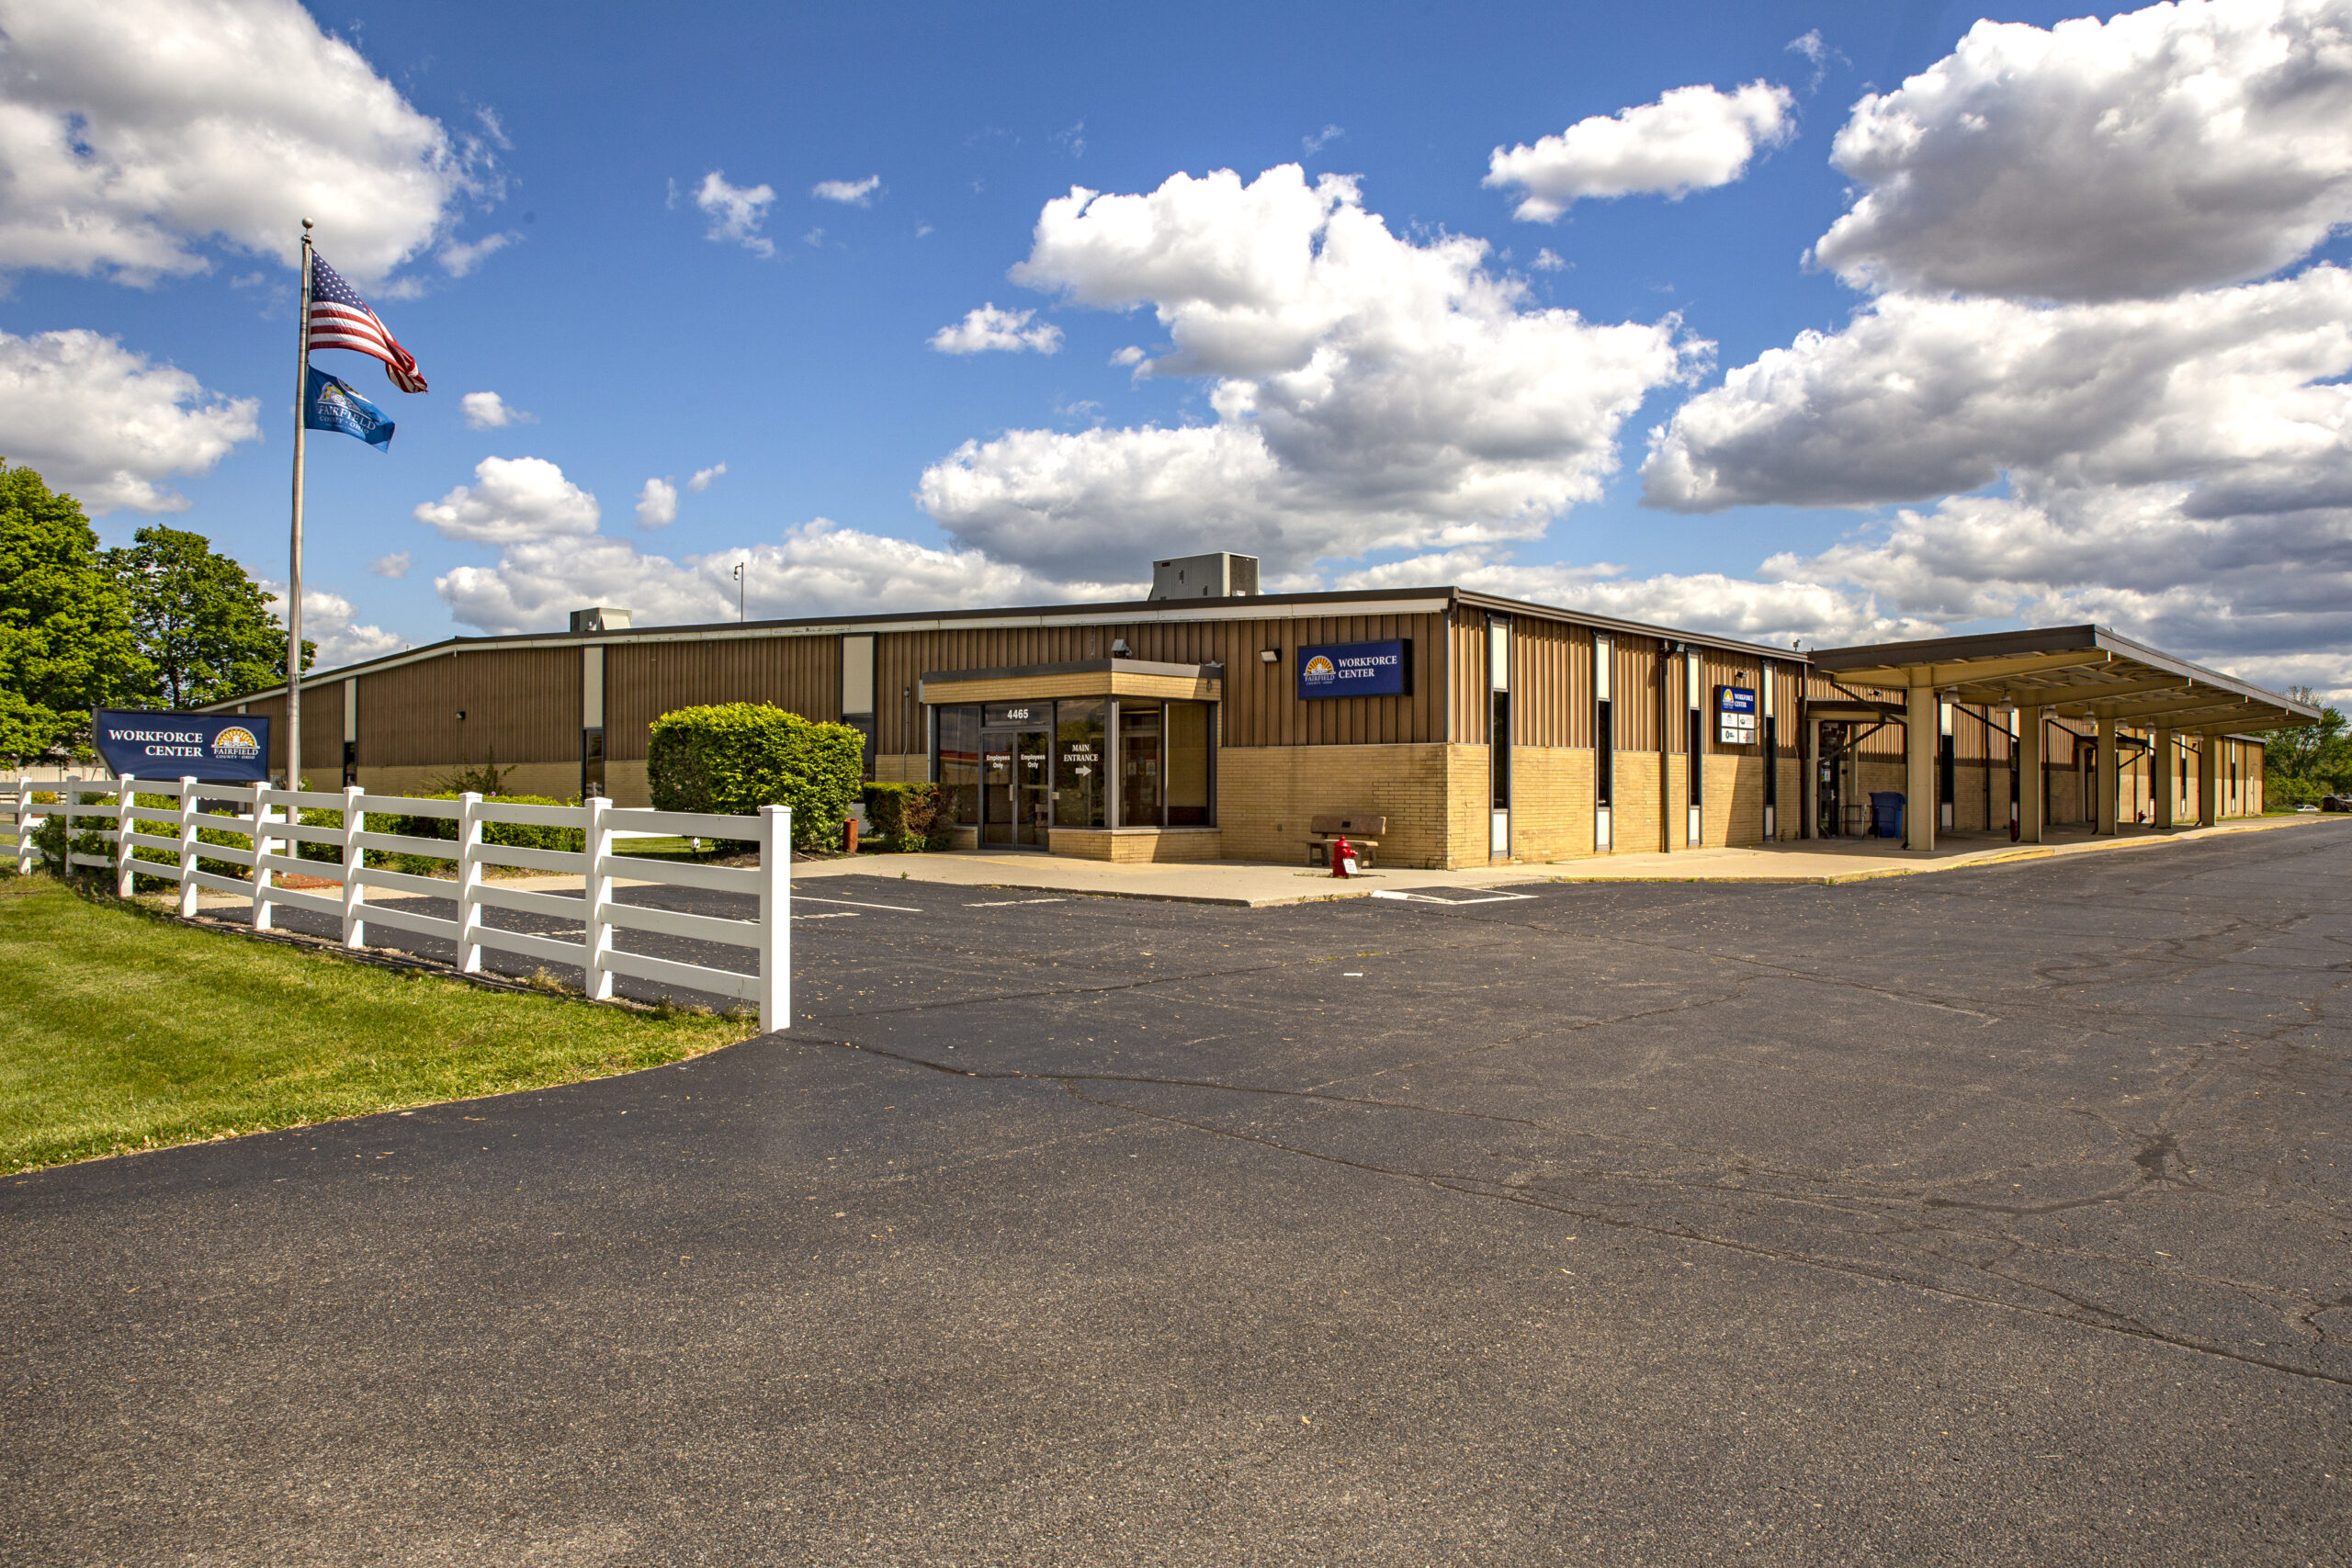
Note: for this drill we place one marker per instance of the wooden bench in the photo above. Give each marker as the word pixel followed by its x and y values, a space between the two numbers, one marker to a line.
pixel 1361 832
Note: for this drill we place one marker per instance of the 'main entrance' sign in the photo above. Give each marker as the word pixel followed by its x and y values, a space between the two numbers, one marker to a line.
pixel 1356 670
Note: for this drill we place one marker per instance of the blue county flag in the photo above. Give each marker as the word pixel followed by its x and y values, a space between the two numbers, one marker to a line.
pixel 330 404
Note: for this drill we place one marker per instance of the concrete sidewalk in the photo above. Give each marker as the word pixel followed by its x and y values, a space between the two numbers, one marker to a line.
pixel 1254 885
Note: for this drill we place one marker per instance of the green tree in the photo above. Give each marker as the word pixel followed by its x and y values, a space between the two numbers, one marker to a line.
pixel 205 628
pixel 65 639
pixel 2301 765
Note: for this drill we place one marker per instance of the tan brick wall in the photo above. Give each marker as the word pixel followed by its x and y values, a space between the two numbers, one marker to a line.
pixel 893 768
pixel 1267 795
pixel 1632 817
pixel 1551 803
pixel 1137 845
pixel 1733 808
pixel 1677 803
pixel 1794 802
pixel 1470 805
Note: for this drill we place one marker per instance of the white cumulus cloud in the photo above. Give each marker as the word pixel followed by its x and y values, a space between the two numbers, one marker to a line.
pixel 736 213
pixel 2178 147
pixel 1370 392
pixel 986 328
pixel 134 132
pixel 1692 139
pixel 511 500
pixel 705 478
pixel 488 411
pixel 817 569
pixel 657 505
pixel 849 193
pixel 2090 416
pixel 394 565
pixel 330 621
pixel 109 424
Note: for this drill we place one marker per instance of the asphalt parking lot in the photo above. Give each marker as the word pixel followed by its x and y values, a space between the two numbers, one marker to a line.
pixel 1986 1217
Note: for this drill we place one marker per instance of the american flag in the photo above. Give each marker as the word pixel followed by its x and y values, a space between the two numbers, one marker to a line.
pixel 340 319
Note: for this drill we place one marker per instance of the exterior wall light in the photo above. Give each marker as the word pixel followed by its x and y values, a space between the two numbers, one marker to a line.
pixel 1270 656
pixel 1119 648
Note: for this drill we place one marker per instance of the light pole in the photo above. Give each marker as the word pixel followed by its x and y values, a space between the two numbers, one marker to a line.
pixel 739 591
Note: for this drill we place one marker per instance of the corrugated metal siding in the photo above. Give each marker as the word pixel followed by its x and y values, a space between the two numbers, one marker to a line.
pixel 1260 706
pixel 321 732
pixel 1467 684
pixel 1551 684
pixel 1633 680
pixel 644 680
pixel 521 705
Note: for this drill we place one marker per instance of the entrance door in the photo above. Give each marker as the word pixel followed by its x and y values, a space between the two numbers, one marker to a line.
pixel 1828 798
pixel 1016 787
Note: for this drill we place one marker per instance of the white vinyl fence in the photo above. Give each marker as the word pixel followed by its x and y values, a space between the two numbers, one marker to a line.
pixel 269 822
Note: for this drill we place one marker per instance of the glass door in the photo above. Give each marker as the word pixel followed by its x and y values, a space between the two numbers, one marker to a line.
pixel 1016 786
pixel 996 786
pixel 1033 788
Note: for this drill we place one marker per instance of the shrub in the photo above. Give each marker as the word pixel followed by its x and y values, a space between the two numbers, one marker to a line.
pixel 733 758
pixel 907 818
pixel 518 835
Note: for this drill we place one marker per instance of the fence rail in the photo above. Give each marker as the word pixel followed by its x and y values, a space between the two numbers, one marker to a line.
pixel 270 822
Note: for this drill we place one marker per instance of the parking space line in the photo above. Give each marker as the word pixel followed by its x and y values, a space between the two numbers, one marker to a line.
pixel 1490 896
pixel 894 909
pixel 1008 903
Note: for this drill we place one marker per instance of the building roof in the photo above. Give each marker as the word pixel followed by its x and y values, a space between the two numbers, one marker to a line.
pixel 2085 671
pixel 1254 606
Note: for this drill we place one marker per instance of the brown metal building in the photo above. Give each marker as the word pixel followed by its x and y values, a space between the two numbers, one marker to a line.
pixel 1192 729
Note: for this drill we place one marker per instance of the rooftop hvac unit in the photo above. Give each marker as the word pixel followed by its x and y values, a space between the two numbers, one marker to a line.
pixel 1218 576
pixel 600 618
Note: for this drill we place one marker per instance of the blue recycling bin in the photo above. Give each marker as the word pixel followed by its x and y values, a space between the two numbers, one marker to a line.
pixel 1886 814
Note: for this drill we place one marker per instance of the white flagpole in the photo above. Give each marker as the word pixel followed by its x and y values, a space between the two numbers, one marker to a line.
pixel 294 571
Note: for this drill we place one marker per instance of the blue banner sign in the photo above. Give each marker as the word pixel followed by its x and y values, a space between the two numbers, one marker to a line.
pixel 1734 716
pixel 219 748
pixel 1356 670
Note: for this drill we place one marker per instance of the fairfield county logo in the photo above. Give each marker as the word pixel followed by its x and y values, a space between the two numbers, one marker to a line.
pixel 1318 671
pixel 237 744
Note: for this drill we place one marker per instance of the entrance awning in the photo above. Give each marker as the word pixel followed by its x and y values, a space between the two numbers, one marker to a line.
pixel 1084 677
pixel 2070 672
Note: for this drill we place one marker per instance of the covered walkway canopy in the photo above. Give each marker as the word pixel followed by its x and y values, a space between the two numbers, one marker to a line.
pixel 2060 672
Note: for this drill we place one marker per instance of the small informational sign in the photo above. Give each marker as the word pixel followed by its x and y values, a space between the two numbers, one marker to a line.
pixel 1734 716
pixel 219 748
pixel 1356 670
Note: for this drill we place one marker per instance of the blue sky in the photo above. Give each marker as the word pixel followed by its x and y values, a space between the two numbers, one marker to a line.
pixel 644 340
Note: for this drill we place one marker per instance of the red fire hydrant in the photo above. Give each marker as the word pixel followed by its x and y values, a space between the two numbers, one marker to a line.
pixel 1343 857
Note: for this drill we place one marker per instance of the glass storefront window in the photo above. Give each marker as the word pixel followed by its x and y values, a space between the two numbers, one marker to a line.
pixel 1139 765
pixel 1080 762
pixel 1188 764
pixel 959 762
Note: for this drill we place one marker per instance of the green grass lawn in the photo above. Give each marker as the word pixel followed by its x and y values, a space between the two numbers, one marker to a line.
pixel 125 1031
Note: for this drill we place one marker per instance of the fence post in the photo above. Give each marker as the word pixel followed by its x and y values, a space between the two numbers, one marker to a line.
pixel 260 836
pixel 67 793
pixel 188 848
pixel 355 894
pixel 124 799
pixel 470 884
pixel 598 896
pixel 775 918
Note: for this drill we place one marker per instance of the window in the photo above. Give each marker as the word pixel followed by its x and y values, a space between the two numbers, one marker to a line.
pixel 1188 764
pixel 1498 732
pixel 1604 755
pixel 350 762
pixel 957 768
pixel 1080 762
pixel 592 764
pixel 1139 764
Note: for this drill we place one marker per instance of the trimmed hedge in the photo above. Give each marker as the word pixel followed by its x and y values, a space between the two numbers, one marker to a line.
pixel 907 818
pixel 516 835
pixel 733 758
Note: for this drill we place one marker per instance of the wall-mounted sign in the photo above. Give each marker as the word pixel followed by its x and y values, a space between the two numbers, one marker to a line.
pixel 1734 716
pixel 1356 670
pixel 219 748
